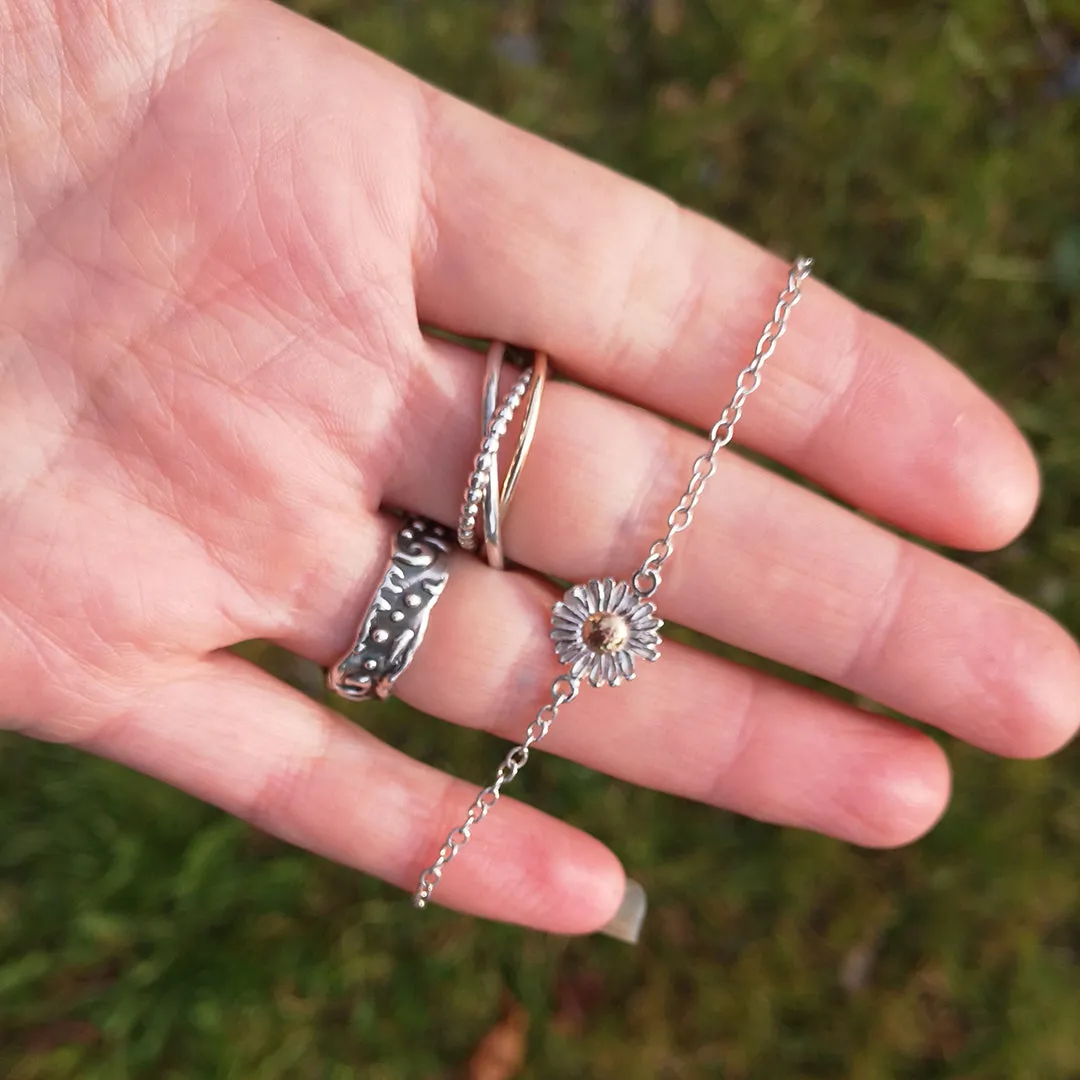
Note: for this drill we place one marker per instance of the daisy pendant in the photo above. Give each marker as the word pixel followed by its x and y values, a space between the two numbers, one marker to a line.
pixel 599 629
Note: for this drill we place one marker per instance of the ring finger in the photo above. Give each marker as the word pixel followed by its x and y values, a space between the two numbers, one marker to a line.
pixel 697 725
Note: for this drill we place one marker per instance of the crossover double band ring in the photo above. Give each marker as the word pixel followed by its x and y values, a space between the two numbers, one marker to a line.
pixel 397 617
pixel 483 497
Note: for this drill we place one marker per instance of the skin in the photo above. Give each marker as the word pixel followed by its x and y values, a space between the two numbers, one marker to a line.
pixel 221 231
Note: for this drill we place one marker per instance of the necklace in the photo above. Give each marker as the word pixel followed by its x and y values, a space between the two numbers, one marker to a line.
pixel 602 628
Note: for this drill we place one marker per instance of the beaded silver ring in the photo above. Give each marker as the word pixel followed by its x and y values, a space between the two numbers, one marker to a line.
pixel 485 506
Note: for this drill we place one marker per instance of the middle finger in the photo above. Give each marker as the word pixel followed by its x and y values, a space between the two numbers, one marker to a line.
pixel 768 566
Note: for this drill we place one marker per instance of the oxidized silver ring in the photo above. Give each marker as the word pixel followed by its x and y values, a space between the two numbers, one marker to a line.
pixel 397 617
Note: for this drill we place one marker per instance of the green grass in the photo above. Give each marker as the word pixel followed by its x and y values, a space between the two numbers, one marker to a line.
pixel 913 148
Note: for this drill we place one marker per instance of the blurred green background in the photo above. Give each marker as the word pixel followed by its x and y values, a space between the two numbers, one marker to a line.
pixel 928 154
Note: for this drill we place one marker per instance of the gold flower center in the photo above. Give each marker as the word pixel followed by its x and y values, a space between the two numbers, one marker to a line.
pixel 604 632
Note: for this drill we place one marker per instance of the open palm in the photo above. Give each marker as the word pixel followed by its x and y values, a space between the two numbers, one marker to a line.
pixel 222 232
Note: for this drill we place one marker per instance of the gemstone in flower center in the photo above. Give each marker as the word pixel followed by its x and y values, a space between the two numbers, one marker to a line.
pixel 604 632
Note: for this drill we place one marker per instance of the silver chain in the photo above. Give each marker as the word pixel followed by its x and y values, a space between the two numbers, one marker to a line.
pixel 563 690
pixel 645 582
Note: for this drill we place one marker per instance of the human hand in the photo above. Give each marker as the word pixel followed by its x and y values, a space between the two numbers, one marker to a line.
pixel 223 231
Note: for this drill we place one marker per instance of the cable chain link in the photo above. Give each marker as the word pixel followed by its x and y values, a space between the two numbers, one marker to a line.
pixel 566 686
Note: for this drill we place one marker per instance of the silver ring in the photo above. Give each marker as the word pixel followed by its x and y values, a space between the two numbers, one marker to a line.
pixel 497 506
pixel 397 617
pixel 483 497
pixel 490 505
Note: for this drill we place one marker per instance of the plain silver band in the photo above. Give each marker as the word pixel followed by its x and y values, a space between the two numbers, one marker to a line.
pixel 396 619
pixel 491 507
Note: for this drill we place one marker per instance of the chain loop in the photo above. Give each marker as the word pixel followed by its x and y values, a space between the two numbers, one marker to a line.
pixel 754 378
pixel 518 758
pixel 563 690
pixel 647 580
pixel 699 477
pixel 681 516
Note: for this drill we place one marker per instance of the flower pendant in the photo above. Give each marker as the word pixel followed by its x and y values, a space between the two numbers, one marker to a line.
pixel 600 628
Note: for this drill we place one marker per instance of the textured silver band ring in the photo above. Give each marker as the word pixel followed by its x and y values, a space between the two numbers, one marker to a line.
pixel 396 619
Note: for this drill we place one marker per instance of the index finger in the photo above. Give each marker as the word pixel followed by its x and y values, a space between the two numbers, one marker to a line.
pixel 526 242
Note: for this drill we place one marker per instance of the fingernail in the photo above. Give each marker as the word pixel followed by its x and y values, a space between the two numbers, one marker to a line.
pixel 626 925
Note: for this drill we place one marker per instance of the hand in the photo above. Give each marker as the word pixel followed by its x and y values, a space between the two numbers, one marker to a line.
pixel 223 229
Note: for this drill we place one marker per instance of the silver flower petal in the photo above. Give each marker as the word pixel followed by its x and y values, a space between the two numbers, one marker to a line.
pixel 618 596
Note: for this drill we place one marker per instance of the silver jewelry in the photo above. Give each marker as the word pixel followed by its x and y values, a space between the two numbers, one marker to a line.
pixel 397 617
pixel 599 629
pixel 495 504
pixel 528 428
pixel 480 478
pixel 482 495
